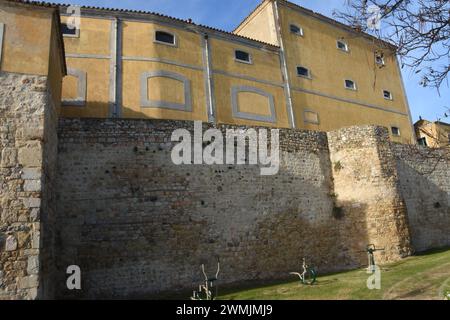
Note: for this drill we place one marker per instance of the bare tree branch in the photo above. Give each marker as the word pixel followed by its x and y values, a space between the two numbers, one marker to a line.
pixel 419 28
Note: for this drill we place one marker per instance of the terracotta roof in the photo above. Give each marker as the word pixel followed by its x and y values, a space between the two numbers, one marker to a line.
pixel 187 21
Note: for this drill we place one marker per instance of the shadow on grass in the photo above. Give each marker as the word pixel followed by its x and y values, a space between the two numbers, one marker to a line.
pixel 322 280
pixel 432 251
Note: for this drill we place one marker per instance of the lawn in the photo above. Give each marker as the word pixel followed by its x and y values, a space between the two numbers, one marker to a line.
pixel 425 276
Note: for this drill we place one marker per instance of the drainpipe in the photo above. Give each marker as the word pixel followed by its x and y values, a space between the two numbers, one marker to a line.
pixel 285 72
pixel 209 80
pixel 115 70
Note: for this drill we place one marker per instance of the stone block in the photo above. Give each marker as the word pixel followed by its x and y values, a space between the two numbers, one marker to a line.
pixel 31 155
pixel 11 243
pixel 31 173
pixel 32 132
pixel 9 157
pixel 35 214
pixel 23 238
pixel 28 282
pixel 32 294
pixel 32 185
pixel 32 202
pixel 33 265
pixel 35 240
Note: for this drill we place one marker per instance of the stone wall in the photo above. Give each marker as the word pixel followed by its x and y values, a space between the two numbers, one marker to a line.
pixel 425 185
pixel 26 134
pixel 105 195
pixel 367 193
pixel 137 224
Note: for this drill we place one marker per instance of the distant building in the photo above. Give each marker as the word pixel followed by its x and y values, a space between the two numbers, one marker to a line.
pixel 432 134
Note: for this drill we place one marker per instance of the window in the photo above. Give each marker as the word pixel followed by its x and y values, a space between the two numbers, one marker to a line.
pixel 242 56
pixel 165 38
pixel 379 60
pixel 303 72
pixel 350 84
pixel 422 142
pixel 387 95
pixel 395 131
pixel 69 31
pixel 341 45
pixel 296 29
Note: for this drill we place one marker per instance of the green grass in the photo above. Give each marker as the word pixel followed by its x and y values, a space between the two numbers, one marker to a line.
pixel 425 276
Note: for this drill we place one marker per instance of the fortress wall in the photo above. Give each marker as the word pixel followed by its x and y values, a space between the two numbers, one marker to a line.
pixel 367 193
pixel 425 185
pixel 137 224
pixel 28 150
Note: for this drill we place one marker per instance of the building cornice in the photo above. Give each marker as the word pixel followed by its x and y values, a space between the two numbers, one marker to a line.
pixel 153 16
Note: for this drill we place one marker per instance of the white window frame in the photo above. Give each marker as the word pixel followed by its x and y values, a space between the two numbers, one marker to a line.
pixel 391 97
pixel 175 39
pixel 346 46
pixel 250 58
pixel 354 88
pixel 379 63
pixel 422 139
pixel 302 76
pixel 399 131
pixel 76 35
pixel 300 33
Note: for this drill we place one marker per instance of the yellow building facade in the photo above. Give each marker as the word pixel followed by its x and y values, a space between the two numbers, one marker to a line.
pixel 432 134
pixel 284 66
pixel 24 52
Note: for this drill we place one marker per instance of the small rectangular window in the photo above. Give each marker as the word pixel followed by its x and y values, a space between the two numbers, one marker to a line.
pixel 303 72
pixel 395 131
pixel 69 30
pixel 165 38
pixel 350 84
pixel 242 56
pixel 379 60
pixel 422 142
pixel 296 29
pixel 387 95
pixel 341 45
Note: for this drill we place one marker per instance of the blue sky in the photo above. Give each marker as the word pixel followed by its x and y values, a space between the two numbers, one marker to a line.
pixel 226 14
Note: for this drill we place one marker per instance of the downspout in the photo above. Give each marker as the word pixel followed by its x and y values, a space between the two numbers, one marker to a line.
pixel 283 62
pixel 209 85
pixel 115 76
